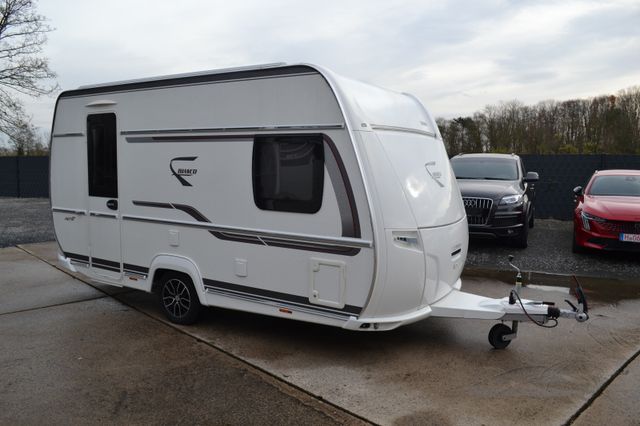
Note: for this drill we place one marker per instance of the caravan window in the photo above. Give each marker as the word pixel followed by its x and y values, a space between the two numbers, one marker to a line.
pixel 102 155
pixel 288 173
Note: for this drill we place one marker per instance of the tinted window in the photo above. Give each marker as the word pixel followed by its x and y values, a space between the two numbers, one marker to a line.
pixel 102 155
pixel 288 173
pixel 485 168
pixel 616 185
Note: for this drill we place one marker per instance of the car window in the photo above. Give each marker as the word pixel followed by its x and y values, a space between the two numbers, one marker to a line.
pixel 485 168
pixel 616 185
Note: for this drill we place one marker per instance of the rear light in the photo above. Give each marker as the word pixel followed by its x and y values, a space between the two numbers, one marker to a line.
pixel 586 217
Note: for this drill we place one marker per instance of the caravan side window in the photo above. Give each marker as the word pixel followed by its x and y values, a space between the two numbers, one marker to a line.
pixel 288 173
pixel 102 155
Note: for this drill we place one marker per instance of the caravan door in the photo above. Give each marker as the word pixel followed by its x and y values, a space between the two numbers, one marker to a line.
pixel 104 220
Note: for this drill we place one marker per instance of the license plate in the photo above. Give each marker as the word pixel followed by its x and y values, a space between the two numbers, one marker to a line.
pixel 634 238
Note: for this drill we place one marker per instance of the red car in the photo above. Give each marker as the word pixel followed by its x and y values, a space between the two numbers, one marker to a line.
pixel 607 213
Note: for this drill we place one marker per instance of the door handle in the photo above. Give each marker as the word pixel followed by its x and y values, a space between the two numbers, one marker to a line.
pixel 112 204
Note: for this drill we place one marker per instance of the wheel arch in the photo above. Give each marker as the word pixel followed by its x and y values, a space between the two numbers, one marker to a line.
pixel 164 263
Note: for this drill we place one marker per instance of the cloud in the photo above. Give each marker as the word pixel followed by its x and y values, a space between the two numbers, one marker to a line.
pixel 457 56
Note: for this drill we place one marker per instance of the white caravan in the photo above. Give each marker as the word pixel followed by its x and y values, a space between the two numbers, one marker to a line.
pixel 284 190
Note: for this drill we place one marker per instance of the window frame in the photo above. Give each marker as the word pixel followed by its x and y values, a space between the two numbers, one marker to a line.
pixel 275 204
pixel 99 185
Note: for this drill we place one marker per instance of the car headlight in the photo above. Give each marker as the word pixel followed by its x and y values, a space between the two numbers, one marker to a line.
pixel 510 200
pixel 586 217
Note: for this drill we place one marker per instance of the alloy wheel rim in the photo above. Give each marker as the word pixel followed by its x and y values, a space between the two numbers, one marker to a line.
pixel 176 298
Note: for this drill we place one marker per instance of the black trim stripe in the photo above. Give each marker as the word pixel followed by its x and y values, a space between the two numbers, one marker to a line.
pixel 191 80
pixel 76 257
pixel 108 268
pixel 109 265
pixel 135 268
pixel 105 262
pixel 278 297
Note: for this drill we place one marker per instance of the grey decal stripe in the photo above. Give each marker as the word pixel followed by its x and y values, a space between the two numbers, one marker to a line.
pixel 342 188
pixel 72 211
pixel 261 233
pixel 264 238
pixel 203 134
pixel 277 296
pixel 103 215
pixel 152 204
pixel 402 130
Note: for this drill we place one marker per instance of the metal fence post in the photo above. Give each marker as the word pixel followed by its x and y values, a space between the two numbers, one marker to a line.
pixel 18 176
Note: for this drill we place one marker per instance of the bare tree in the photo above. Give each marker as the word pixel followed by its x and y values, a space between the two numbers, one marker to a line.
pixel 601 125
pixel 23 138
pixel 23 69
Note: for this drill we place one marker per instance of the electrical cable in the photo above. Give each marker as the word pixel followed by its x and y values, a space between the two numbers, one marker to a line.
pixel 538 323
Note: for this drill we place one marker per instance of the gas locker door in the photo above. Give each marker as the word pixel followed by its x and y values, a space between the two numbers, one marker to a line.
pixel 104 218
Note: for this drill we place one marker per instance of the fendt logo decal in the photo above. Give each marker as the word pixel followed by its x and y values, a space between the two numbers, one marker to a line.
pixel 435 175
pixel 182 171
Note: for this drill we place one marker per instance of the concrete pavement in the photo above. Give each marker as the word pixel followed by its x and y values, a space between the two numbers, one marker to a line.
pixel 437 371
pixel 86 358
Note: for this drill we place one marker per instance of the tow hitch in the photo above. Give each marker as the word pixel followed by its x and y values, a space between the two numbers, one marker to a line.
pixel 501 334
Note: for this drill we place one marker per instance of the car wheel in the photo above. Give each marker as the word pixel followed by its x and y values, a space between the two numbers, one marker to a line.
pixel 533 212
pixel 522 240
pixel 575 247
pixel 179 299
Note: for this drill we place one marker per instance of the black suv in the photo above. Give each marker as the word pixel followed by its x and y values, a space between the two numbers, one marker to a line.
pixel 498 195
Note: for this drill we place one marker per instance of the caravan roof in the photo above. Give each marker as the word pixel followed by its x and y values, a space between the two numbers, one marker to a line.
pixel 363 105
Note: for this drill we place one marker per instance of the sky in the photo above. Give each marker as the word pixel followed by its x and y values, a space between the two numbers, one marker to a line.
pixel 456 56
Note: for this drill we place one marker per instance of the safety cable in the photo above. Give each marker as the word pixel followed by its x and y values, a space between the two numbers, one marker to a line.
pixel 538 323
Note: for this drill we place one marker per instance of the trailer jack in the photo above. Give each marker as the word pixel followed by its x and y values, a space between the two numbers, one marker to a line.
pixel 501 334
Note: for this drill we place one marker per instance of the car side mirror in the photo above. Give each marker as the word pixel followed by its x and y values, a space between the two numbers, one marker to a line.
pixel 578 191
pixel 531 177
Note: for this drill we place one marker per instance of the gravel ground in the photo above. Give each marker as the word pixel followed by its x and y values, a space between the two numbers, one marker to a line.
pixel 25 220
pixel 550 252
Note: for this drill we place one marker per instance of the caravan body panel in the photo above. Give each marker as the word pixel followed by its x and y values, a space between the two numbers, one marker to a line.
pixel 287 191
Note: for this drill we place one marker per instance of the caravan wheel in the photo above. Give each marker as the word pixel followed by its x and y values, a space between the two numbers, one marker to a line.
pixel 179 299
pixel 496 334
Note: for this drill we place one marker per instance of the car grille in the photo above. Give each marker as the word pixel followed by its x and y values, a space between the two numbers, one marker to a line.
pixel 478 209
pixel 621 227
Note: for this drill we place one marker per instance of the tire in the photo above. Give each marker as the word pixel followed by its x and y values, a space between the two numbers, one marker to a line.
pixel 496 333
pixel 179 299
pixel 575 247
pixel 522 240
